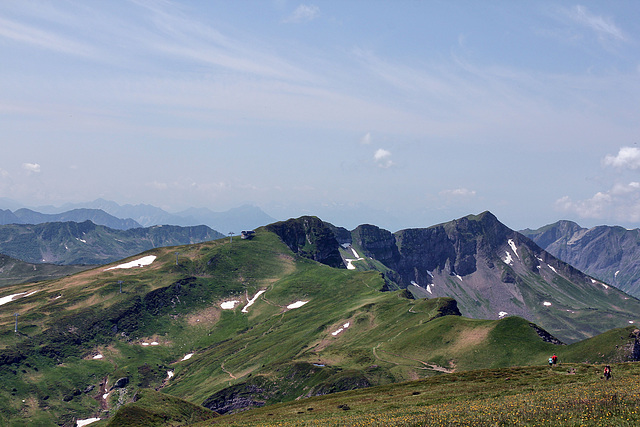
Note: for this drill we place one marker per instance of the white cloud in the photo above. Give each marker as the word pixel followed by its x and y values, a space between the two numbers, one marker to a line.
pixel 4 173
pixel 31 167
pixel 42 39
pixel 627 158
pixel 620 203
pixel 382 158
pixel 603 26
pixel 303 13
pixel 366 139
pixel 459 192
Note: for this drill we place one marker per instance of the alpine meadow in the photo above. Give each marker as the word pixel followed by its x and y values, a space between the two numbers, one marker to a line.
pixel 334 213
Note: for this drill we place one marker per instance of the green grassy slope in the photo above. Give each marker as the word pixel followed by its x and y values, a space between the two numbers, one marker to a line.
pixel 14 271
pixel 566 395
pixel 167 331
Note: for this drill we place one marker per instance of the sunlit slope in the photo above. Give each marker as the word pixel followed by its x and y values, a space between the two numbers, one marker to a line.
pixel 84 347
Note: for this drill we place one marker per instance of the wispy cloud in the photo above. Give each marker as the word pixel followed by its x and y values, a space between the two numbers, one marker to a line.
pixel 458 193
pixel 604 27
pixel 303 13
pixel 43 39
pixel 627 158
pixel 366 139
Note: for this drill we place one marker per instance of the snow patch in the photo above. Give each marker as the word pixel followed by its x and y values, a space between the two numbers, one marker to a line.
pixel 98 356
pixel 342 328
pixel 429 289
pixel 154 343
pixel 430 273
pixel 459 277
pixel 554 270
pixel 187 357
pixel 252 300
pixel 513 247
pixel 10 298
pixel 296 304
pixel 502 314
pixel 81 423
pixel 82 240
pixel 508 259
pixel 616 273
pixel 147 260
pixel 229 305
pixel 546 303
pixel 349 261
pixel 169 374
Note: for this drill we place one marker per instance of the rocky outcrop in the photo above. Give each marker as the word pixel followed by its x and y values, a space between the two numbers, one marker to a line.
pixel 309 237
pixel 235 398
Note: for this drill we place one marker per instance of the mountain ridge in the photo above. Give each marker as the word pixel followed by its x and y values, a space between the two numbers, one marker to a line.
pixel 611 254
pixel 89 243
pixel 248 318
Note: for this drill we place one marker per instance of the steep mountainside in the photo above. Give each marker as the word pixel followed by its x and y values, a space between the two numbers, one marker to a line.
pixel 239 324
pixel 311 238
pixel 97 216
pixel 493 272
pixel 611 254
pixel 14 271
pixel 88 243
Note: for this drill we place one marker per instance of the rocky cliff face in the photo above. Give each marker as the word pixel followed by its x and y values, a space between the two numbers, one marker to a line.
pixel 492 272
pixel 611 254
pixel 311 238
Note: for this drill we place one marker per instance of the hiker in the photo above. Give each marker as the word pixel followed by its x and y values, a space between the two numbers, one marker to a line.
pixel 607 372
pixel 550 361
pixel 555 359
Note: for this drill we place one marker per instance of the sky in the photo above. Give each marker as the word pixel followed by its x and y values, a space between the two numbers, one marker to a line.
pixel 395 113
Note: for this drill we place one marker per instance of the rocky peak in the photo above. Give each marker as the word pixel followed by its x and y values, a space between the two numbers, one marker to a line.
pixel 309 237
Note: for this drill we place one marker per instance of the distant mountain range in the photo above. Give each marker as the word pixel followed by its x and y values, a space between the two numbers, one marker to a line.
pixel 97 216
pixel 611 254
pixel 246 217
pixel 87 243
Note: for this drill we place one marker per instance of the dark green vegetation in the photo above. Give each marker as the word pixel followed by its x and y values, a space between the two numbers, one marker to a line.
pixel 611 254
pixel 167 331
pixel 14 271
pixel 87 243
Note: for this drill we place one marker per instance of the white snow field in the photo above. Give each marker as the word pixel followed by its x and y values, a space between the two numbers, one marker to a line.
pixel 342 328
pixel 81 423
pixel 349 261
pixel 297 304
pixel 229 305
pixel 10 298
pixel 146 260
pixel 252 300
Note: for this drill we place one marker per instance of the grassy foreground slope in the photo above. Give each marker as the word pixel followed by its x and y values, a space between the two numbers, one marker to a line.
pixel 566 395
pixel 85 349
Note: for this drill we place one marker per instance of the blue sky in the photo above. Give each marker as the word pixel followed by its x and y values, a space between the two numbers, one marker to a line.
pixel 401 114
